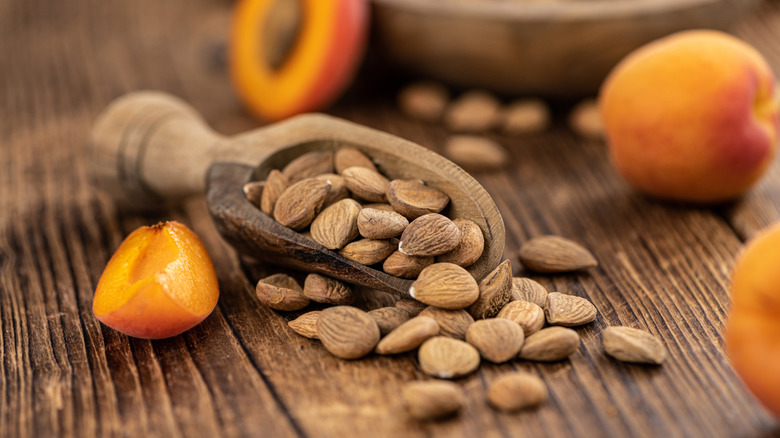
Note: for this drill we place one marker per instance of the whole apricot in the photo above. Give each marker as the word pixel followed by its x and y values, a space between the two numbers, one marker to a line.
pixel 159 283
pixel 691 116
pixel 753 327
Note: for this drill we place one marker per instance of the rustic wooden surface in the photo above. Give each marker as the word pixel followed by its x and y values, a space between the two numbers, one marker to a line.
pixel 242 372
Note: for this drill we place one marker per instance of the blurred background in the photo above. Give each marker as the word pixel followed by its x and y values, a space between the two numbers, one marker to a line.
pixel 64 61
pixel 553 49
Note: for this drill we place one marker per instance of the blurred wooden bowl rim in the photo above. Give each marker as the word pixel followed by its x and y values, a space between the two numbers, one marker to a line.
pixel 536 47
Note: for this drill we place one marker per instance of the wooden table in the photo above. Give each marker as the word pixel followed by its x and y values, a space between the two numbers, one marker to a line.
pixel 242 372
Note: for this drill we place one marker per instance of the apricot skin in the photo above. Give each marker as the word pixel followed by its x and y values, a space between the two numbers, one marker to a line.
pixel 691 117
pixel 319 68
pixel 753 327
pixel 159 283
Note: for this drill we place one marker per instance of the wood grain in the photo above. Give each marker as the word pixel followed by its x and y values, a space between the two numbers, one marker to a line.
pixel 242 372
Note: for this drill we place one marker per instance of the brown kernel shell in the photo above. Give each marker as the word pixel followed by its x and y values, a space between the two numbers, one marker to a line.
pixel 322 289
pixel 336 225
pixel 308 165
pixel 281 292
pixel 432 399
pixel 476 153
pixel 526 289
pixel 473 111
pixel 554 254
pixel 550 344
pixel 628 344
pixel 495 291
pixel 338 189
pixel 498 340
pixel 380 224
pixel 528 315
pixel 569 310
pixel 347 332
pixel 254 192
pixel 389 318
pixel 275 184
pixel 368 251
pixel 445 285
pixel 405 266
pixel 470 248
pixel 525 116
pixel 453 323
pixel 345 158
pixel 429 235
pixel 366 184
pixel 424 100
pixel 299 203
pixel 447 358
pixel 306 324
pixel 413 199
pixel 516 391
pixel 408 336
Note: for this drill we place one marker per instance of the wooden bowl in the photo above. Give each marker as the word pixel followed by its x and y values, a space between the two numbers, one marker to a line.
pixel 544 48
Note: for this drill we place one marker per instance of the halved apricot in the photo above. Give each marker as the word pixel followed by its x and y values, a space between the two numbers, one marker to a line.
pixel 159 283
pixel 325 52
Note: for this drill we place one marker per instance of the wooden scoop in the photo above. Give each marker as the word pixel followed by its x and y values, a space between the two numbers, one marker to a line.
pixel 151 149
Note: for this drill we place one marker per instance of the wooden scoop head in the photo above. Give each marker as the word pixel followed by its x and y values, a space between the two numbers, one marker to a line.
pixel 150 149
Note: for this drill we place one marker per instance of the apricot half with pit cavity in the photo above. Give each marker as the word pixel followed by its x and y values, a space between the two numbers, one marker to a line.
pixel 159 283
pixel 293 56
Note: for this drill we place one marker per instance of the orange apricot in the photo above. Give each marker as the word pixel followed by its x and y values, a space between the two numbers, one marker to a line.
pixel 322 59
pixel 753 327
pixel 159 283
pixel 691 116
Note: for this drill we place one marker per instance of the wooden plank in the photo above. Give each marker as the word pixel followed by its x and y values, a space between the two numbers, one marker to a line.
pixel 663 268
pixel 63 373
pixel 243 372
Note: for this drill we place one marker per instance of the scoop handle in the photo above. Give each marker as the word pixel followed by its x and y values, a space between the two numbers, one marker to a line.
pixel 149 149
